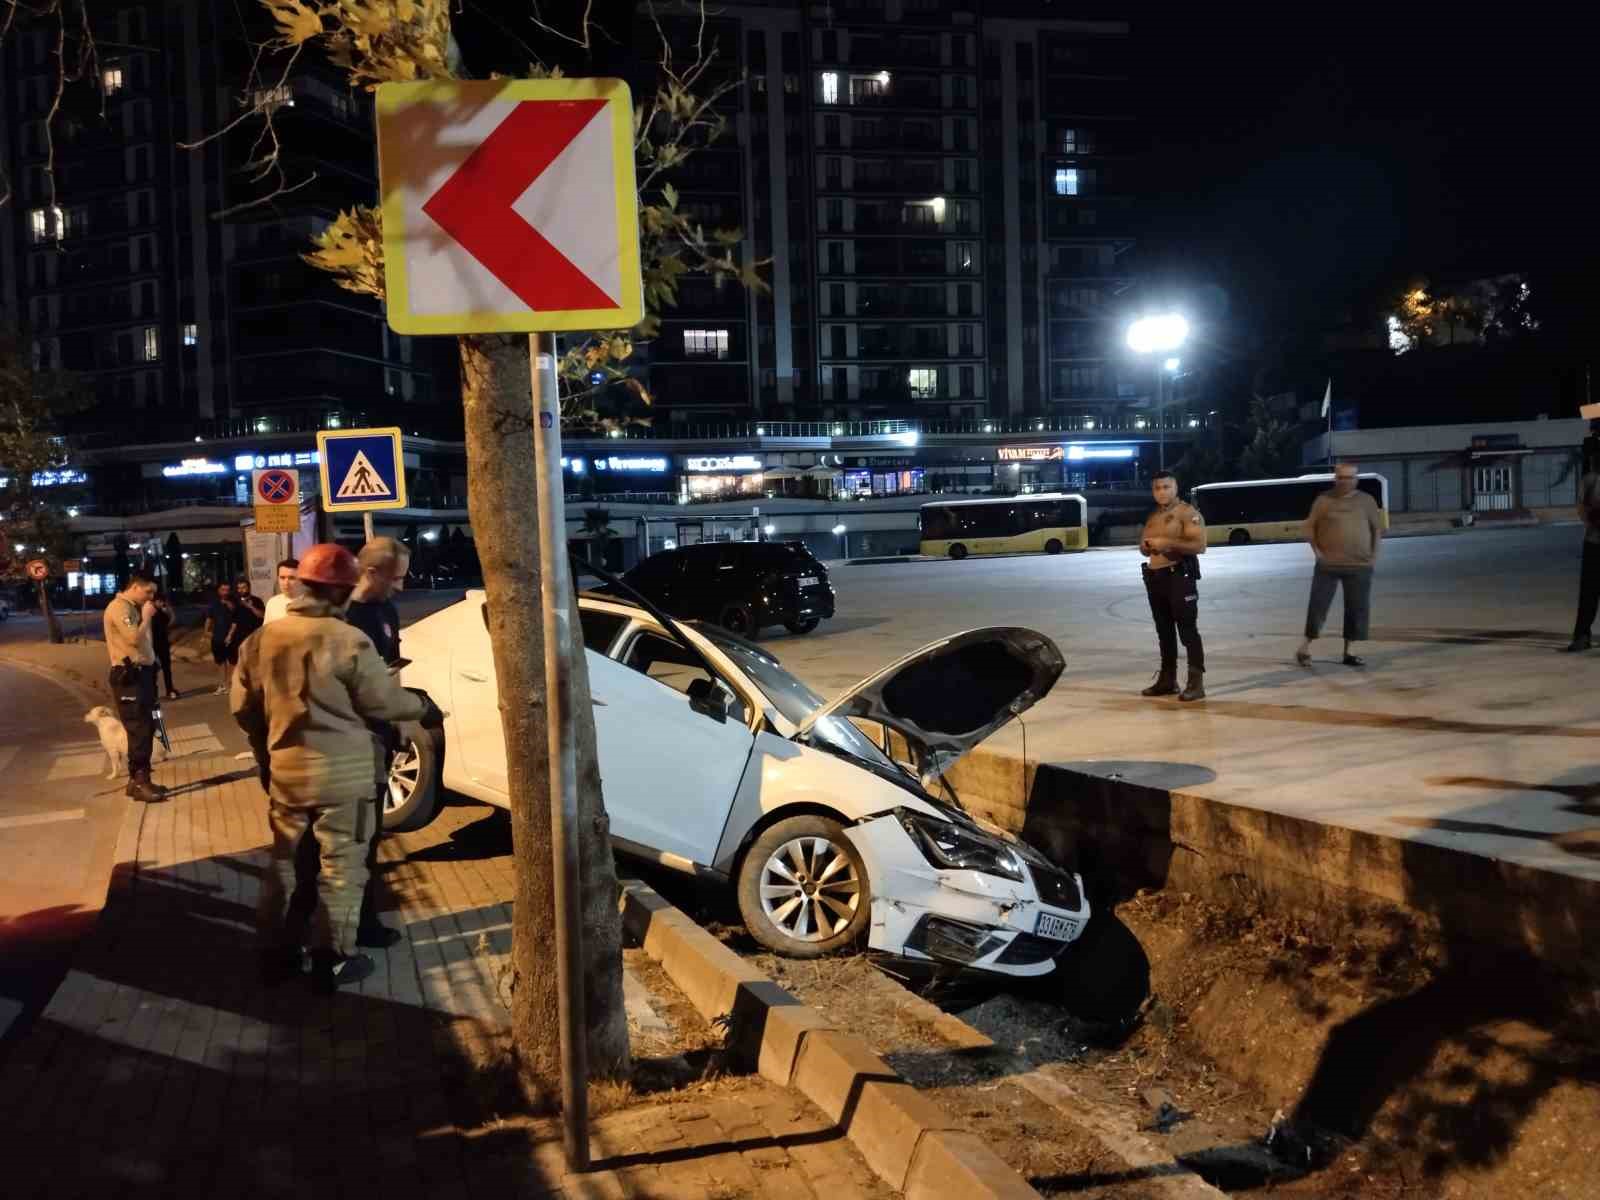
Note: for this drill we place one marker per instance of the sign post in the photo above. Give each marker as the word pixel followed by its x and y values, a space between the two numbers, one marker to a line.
pixel 275 493
pixel 511 206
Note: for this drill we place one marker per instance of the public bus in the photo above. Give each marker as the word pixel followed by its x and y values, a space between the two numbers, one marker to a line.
pixel 1047 524
pixel 1272 510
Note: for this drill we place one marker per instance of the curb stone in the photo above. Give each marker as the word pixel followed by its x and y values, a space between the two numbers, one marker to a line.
pixel 906 1139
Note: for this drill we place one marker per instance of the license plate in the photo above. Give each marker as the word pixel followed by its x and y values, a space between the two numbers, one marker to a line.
pixel 1060 929
pixel 808 581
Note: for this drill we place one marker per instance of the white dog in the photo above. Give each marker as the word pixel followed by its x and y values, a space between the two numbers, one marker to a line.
pixel 114 740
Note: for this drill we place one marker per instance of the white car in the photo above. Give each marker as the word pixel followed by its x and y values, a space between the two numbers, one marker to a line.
pixel 717 761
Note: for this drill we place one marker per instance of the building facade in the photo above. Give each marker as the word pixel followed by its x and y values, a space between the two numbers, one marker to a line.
pixel 940 190
pixel 169 279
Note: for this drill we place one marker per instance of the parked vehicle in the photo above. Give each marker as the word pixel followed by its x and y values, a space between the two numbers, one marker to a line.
pixel 1044 524
pixel 719 762
pixel 742 586
pixel 1272 510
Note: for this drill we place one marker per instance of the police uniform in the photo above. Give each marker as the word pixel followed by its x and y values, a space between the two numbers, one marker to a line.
pixel 1171 581
pixel 133 683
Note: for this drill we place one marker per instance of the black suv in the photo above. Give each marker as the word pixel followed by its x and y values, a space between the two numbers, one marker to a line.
pixel 741 586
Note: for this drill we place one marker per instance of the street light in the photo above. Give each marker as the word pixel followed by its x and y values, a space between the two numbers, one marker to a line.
pixel 1158 335
pixel 844 542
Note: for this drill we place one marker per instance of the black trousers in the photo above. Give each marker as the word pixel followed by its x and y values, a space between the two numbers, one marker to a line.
pixel 135 690
pixel 1175 605
pixel 1588 590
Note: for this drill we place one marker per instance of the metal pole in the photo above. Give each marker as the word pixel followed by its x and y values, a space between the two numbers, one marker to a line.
pixel 1161 413
pixel 366 525
pixel 555 589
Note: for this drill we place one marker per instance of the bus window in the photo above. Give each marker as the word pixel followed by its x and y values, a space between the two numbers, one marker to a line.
pixel 938 524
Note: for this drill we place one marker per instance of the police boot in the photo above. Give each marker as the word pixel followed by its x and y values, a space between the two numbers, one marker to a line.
pixel 1195 687
pixel 331 970
pixel 141 789
pixel 1166 683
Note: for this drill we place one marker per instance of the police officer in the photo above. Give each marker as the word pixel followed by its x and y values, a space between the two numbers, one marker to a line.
pixel 1174 536
pixel 128 622
pixel 305 691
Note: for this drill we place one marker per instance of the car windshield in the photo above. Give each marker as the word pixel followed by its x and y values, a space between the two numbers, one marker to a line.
pixel 797 702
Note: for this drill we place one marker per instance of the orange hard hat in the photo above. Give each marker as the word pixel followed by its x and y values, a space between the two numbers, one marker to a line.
pixel 329 562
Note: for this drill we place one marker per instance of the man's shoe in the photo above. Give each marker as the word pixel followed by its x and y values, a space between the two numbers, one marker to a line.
pixel 143 791
pixel 1303 657
pixel 1354 660
pixel 1194 688
pixel 377 936
pixel 1166 683
pixel 1579 645
pixel 331 971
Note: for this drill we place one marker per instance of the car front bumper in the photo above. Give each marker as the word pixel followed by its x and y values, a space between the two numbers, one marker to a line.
pixel 967 919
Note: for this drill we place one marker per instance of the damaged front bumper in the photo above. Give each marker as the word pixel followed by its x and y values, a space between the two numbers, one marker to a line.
pixel 964 917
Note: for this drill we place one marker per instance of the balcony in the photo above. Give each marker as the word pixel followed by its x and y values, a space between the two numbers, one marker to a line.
pixel 915 183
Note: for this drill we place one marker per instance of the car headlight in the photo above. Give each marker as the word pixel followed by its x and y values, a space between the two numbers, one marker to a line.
pixel 951 847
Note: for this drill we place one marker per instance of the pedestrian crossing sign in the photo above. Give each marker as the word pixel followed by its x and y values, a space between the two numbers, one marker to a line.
pixel 362 469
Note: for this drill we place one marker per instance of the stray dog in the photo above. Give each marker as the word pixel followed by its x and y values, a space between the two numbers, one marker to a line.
pixel 114 740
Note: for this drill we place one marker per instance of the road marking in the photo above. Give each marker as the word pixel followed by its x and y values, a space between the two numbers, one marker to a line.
pixel 66 814
pixel 193 739
pixel 77 766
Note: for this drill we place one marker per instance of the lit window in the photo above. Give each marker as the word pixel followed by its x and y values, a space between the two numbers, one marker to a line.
pixel 40 223
pixel 705 343
pixel 268 99
pixel 924 382
pixel 191 335
pixel 152 343
pixel 111 80
pixel 1066 181
pixel 965 260
pixel 830 87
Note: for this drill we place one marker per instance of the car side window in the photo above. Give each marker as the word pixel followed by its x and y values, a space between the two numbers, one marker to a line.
pixel 600 629
pixel 668 663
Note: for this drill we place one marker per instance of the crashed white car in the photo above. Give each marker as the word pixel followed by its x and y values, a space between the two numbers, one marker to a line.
pixel 717 761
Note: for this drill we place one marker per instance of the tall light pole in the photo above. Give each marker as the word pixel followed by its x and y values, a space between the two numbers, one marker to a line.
pixel 1154 335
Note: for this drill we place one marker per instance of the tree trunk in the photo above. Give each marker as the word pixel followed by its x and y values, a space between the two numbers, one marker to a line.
pixel 502 499
pixel 52 622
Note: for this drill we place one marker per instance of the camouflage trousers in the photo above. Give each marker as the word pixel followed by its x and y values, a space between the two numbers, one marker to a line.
pixel 341 832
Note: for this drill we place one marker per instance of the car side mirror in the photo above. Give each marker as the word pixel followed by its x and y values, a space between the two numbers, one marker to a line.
pixel 707 698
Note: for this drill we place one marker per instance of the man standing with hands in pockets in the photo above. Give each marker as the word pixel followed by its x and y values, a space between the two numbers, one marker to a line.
pixel 1345 529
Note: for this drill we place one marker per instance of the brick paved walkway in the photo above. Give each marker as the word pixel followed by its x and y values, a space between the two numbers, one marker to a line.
pixel 162 1068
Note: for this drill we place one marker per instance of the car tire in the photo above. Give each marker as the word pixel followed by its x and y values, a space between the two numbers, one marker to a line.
pixel 773 874
pixel 740 620
pixel 411 796
pixel 958 551
pixel 1054 546
pixel 1239 537
pixel 1104 976
pixel 800 628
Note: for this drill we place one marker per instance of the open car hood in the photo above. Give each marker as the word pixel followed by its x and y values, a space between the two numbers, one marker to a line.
pixel 948 696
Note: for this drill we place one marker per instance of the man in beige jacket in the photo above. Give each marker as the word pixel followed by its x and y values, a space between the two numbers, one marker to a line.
pixel 305 688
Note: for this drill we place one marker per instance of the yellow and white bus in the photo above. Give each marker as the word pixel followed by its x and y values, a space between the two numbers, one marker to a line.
pixel 1272 510
pixel 1046 524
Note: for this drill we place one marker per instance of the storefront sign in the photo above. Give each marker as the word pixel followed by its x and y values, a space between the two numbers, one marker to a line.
pixel 1031 453
pixel 286 458
pixel 1078 453
pixel 724 462
pixel 657 466
pixel 50 478
pixel 194 466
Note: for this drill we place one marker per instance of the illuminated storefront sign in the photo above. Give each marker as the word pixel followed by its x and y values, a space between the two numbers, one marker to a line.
pixel 1078 453
pixel 286 458
pixel 1031 453
pixel 194 466
pixel 657 466
pixel 724 462
pixel 50 478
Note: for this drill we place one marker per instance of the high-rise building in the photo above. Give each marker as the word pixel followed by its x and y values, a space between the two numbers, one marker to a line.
pixel 142 265
pixel 941 187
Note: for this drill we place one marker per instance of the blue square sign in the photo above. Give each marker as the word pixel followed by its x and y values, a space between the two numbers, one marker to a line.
pixel 362 469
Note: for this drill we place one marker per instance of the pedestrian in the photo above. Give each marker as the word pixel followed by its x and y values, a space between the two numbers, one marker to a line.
pixel 1173 538
pixel 128 623
pixel 288 589
pixel 244 594
pixel 306 688
pixel 1345 530
pixel 161 639
pixel 1589 575
pixel 219 617
pixel 384 562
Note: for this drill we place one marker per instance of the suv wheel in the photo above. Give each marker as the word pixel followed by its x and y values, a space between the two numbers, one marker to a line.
pixel 739 619
pixel 803 888
pixel 802 627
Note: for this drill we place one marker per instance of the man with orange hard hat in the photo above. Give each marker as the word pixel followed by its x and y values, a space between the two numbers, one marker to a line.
pixel 305 688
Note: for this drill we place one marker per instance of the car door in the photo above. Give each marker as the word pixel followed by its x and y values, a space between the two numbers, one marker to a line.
pixel 479 740
pixel 670 771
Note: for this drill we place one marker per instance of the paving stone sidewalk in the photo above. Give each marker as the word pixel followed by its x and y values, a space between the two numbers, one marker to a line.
pixel 161 1067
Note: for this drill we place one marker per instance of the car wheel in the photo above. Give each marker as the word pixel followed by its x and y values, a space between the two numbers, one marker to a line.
pixel 1239 537
pixel 802 627
pixel 1054 546
pixel 803 888
pixel 738 619
pixel 958 552
pixel 412 794
pixel 1104 976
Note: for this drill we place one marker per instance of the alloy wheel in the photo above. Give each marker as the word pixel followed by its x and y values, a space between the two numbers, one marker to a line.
pixel 810 889
pixel 405 773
